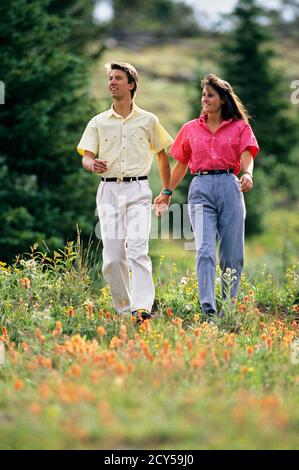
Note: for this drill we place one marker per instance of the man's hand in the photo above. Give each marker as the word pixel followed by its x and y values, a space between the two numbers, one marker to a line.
pixel 246 183
pixel 161 203
pixel 98 166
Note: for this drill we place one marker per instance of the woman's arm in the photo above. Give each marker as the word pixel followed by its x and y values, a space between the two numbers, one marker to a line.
pixel 246 179
pixel 177 174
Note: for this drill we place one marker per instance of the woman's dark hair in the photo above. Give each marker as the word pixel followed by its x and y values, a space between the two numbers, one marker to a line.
pixel 232 108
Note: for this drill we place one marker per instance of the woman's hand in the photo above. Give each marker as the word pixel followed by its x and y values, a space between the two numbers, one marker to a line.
pixel 161 203
pixel 246 183
pixel 98 166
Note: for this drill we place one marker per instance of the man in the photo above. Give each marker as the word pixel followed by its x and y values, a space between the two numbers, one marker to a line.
pixel 118 144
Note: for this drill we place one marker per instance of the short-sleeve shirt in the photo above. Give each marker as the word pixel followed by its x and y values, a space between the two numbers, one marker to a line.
pixel 126 144
pixel 203 150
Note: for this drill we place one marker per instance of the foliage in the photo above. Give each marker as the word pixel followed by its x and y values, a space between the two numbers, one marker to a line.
pixel 83 30
pixel 43 192
pixel 77 376
pixel 246 65
pixel 159 17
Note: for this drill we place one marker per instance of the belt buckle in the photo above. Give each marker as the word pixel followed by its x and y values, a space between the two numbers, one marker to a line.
pixel 119 180
pixel 204 172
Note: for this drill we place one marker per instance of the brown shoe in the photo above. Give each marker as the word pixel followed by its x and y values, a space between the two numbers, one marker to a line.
pixel 141 314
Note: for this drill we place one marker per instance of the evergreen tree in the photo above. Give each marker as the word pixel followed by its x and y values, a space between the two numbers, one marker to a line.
pixel 161 17
pixel 83 29
pixel 246 63
pixel 43 191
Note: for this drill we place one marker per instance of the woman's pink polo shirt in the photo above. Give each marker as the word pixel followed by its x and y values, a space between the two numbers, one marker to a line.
pixel 203 150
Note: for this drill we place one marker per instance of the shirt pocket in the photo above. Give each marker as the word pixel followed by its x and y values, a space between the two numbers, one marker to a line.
pixel 139 144
pixel 108 144
pixel 200 145
pixel 229 149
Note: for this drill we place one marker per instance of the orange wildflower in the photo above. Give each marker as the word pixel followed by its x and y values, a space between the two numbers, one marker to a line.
pixel 123 332
pixel 250 350
pixel 35 408
pixel 89 308
pixel 44 362
pixel 226 355
pixel 196 317
pixel 25 282
pixel 115 342
pixel 18 384
pixel 75 370
pixel 241 308
pixel 189 343
pixel 58 329
pixel 38 333
pixel 71 311
pixel 120 368
pixel 101 331
pixel 4 336
pixel 169 312
pixel 130 367
pixel 197 332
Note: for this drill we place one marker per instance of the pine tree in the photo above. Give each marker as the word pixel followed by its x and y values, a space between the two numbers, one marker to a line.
pixel 43 191
pixel 246 64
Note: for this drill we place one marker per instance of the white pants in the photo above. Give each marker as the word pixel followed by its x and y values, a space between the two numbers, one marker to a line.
pixel 124 210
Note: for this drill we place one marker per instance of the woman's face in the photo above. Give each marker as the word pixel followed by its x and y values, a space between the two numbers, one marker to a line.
pixel 210 100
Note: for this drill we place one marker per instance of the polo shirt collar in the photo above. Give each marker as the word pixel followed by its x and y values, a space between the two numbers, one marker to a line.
pixel 203 122
pixel 135 110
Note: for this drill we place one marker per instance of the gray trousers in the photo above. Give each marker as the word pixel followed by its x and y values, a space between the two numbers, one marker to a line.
pixel 217 210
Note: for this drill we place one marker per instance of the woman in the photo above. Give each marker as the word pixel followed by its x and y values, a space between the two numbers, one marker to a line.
pixel 215 147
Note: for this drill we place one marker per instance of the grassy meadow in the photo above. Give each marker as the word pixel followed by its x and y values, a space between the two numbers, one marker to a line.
pixel 77 376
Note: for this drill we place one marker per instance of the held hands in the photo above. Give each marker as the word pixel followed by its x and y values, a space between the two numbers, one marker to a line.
pixel 161 203
pixel 246 183
pixel 98 166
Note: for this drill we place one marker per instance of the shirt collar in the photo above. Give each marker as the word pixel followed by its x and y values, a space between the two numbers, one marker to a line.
pixel 203 121
pixel 135 110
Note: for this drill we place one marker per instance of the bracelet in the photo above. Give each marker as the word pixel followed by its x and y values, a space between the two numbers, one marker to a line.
pixel 248 173
pixel 167 192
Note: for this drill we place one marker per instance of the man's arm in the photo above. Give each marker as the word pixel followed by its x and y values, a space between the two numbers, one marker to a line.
pixel 164 168
pixel 92 164
pixel 165 175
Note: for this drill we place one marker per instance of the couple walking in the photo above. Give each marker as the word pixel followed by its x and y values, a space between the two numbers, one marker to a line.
pixel 119 145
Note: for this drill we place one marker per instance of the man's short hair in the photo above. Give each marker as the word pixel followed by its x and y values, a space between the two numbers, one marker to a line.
pixel 125 67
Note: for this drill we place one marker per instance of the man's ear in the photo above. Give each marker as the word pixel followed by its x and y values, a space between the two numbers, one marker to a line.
pixel 131 85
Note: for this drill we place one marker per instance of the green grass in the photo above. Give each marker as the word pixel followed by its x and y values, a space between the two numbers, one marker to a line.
pixel 76 376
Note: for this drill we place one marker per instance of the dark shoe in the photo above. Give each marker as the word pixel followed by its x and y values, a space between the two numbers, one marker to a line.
pixel 141 315
pixel 209 315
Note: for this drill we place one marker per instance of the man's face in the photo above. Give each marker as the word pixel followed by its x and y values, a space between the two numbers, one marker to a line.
pixel 119 86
